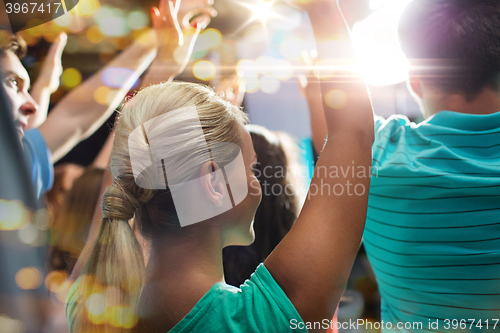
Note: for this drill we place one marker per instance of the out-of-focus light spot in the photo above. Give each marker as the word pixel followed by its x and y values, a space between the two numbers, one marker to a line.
pixel 101 95
pixel 204 70
pixel 71 77
pixel 285 18
pixel 13 215
pixel 323 70
pixel 292 47
pixel 11 325
pixel 262 10
pixel 78 24
pixel 30 235
pixel 64 20
pixel 29 278
pixel 42 219
pixel 265 64
pixel 209 38
pixel 96 304
pixel 282 70
pixel 112 21
pixel 246 69
pixel 252 84
pixel 86 7
pixel 120 43
pixel 381 59
pixel 33 27
pixel 62 292
pixel 55 280
pixel 94 35
pixel 269 84
pixel 137 20
pixel 336 99
pixel 122 316
pixel 115 77
pixel 29 39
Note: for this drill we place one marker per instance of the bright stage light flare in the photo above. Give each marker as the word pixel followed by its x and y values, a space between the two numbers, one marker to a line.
pixel 262 10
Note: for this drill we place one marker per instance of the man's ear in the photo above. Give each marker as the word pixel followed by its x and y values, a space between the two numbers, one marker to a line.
pixel 213 183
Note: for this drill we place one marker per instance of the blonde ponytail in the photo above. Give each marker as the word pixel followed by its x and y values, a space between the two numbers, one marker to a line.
pixel 113 276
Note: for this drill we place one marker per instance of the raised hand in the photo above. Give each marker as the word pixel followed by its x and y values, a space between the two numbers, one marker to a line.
pixel 48 80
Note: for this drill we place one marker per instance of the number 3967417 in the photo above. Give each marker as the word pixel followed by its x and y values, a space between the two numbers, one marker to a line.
pixel 32 7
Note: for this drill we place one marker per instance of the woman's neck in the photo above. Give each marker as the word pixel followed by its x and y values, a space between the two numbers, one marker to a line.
pixel 182 267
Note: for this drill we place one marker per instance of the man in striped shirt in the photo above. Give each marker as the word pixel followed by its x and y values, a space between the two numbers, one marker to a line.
pixel 433 225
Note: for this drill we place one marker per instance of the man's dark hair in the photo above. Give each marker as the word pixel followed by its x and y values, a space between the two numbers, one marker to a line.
pixel 456 41
pixel 13 43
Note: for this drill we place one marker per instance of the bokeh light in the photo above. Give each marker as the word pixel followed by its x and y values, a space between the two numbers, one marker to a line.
pixel 30 235
pixel 269 84
pixel 29 278
pixel 204 70
pixel 292 47
pixel 336 99
pixel 246 69
pixel 115 77
pixel 265 64
pixel 94 35
pixel 101 95
pixel 71 77
pixel 55 280
pixel 122 316
pixel 252 84
pixel 208 39
pixel 137 19
pixel 13 215
pixel 282 70
pixel 64 20
pixel 86 7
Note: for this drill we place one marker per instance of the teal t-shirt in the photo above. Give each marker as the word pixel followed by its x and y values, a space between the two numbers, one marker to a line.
pixel 433 225
pixel 259 305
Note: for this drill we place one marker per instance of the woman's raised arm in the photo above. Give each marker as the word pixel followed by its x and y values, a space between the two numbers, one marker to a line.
pixel 313 262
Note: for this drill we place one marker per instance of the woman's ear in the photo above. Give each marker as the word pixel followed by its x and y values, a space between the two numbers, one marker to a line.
pixel 213 183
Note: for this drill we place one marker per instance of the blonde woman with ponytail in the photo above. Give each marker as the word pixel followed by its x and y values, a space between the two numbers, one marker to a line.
pixel 180 287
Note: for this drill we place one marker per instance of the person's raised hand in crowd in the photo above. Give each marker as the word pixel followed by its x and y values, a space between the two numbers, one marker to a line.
pixel 48 80
pixel 174 22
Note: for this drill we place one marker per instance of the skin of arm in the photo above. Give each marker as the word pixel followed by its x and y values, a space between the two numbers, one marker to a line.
pixel 48 81
pixel 78 114
pixel 313 262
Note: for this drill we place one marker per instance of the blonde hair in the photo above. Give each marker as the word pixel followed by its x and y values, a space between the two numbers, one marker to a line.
pixel 116 258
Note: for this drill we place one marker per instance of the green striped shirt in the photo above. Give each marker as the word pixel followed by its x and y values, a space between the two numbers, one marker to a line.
pixel 433 225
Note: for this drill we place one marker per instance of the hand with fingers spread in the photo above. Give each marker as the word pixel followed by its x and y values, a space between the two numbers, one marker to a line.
pixel 48 80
